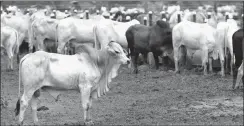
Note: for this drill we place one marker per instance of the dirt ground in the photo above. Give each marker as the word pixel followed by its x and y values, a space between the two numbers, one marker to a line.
pixel 149 98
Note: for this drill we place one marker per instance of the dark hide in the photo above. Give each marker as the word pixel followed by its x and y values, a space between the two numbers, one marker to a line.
pixel 143 39
pixel 237 41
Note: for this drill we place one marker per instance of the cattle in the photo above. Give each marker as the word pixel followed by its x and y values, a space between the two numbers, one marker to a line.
pixel 179 16
pixel 225 31
pixel 144 39
pixel 89 72
pixel 20 23
pixel 44 29
pixel 75 30
pixel 43 13
pixel 60 15
pixel 201 38
pixel 238 42
pixel 9 42
pixel 108 30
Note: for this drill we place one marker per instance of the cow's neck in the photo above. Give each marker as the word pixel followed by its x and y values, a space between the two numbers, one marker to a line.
pixel 104 61
pixel 105 65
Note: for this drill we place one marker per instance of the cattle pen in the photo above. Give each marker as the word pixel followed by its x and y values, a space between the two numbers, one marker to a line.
pixel 150 97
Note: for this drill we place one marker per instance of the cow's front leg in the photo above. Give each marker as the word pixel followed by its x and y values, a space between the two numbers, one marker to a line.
pixel 145 58
pixel 85 90
pixel 155 55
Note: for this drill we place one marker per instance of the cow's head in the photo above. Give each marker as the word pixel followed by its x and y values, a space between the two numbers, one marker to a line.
pixel 117 53
pixel 164 26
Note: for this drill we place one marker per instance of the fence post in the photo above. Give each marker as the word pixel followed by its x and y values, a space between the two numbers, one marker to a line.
pixel 128 18
pixel 53 15
pixel 164 18
pixel 208 17
pixel 87 14
pixel 226 16
pixel 178 16
pixel 145 20
pixel 66 11
pixel 150 18
pixel 242 15
pixel 194 16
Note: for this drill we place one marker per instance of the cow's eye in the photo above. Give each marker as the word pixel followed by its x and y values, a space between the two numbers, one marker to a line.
pixel 116 52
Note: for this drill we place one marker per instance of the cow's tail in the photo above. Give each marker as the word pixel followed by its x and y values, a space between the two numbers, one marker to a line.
pixel 17 45
pixel 130 40
pixel 31 37
pixel 56 36
pixel 20 82
pixel 96 42
pixel 225 46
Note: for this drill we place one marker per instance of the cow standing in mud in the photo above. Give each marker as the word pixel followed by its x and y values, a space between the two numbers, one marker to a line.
pixel 89 72
pixel 143 39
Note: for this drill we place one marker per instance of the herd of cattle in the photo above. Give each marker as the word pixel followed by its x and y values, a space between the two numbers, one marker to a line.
pixel 84 54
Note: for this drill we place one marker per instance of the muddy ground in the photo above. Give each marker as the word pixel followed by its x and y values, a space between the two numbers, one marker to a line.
pixel 149 98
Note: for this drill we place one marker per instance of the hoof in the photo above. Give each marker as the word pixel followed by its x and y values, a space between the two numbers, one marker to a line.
pixel 21 123
pixel 43 108
pixel 176 72
pixel 222 75
pixel 135 71
pixel 88 123
pixel 9 70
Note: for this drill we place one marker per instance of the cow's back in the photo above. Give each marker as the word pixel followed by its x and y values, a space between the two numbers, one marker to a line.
pixel 196 38
pixel 80 29
pixel 137 36
pixel 57 70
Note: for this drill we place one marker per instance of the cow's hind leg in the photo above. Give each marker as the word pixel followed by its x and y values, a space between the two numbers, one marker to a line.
pixel 18 59
pixel 23 105
pixel 239 76
pixel 204 60
pixel 10 60
pixel 210 62
pixel 176 58
pixel 235 70
pixel 86 100
pixel 134 60
pixel 222 61
pixel 34 101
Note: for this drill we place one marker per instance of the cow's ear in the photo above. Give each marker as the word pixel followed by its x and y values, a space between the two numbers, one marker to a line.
pixel 162 24
pixel 110 43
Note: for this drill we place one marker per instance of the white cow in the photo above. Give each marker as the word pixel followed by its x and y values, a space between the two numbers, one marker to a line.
pixel 201 37
pixel 75 30
pixel 88 72
pixel 9 42
pixel 108 30
pixel 43 13
pixel 225 31
pixel 44 28
pixel 20 23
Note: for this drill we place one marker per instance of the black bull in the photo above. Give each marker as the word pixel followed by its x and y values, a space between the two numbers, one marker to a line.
pixel 143 39
pixel 238 42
